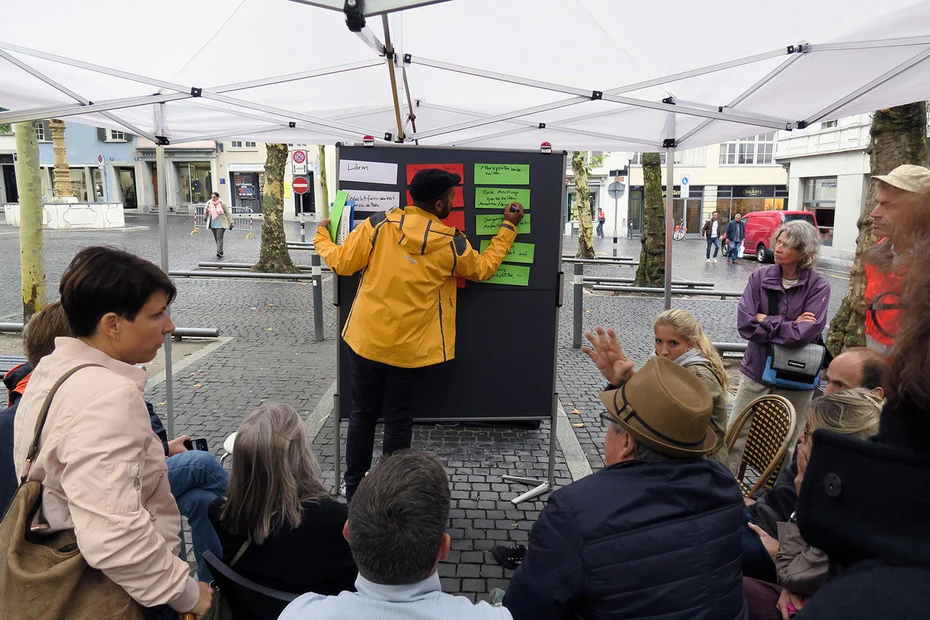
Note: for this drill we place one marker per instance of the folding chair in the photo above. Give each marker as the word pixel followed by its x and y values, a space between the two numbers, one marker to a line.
pixel 247 600
pixel 772 422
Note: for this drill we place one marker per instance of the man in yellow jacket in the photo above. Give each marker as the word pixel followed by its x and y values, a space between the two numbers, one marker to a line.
pixel 403 317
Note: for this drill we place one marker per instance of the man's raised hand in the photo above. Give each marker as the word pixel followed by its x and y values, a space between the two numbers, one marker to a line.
pixel 608 356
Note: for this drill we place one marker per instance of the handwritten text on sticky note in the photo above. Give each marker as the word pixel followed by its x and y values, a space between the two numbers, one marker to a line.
pixel 502 174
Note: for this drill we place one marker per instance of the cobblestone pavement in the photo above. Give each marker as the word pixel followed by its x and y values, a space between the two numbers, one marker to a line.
pixel 269 354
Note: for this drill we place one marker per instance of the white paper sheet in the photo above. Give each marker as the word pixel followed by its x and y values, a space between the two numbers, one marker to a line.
pixel 368 172
pixel 373 201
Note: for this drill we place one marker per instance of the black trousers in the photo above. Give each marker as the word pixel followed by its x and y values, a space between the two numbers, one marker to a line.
pixel 378 391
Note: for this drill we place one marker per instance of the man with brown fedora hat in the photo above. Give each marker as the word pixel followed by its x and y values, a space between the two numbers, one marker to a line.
pixel 656 533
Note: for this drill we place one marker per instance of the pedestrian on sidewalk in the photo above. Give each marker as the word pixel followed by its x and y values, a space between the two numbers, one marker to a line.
pixel 735 236
pixel 219 220
pixel 712 231
pixel 601 218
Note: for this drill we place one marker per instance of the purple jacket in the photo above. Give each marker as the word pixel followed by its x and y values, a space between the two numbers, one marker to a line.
pixel 810 294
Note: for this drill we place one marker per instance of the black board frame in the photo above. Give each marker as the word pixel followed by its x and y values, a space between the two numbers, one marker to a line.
pixel 543 293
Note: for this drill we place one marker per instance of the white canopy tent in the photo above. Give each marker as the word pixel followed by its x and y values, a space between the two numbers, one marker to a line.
pixel 579 74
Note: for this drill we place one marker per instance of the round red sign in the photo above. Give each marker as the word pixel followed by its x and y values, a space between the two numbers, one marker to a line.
pixel 301 185
pixel 300 157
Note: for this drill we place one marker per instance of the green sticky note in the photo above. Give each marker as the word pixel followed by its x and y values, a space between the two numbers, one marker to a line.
pixel 519 253
pixel 499 197
pixel 512 275
pixel 490 224
pixel 502 174
pixel 335 213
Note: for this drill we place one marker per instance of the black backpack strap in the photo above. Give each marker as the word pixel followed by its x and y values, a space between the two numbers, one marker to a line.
pixel 773 301
pixel 43 415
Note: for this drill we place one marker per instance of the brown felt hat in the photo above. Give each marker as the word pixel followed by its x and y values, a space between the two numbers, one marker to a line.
pixel 666 407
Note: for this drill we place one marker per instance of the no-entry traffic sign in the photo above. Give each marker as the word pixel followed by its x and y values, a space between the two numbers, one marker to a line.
pixel 300 185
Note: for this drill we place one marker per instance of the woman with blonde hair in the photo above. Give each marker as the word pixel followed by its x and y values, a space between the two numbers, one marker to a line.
pixel 680 338
pixel 279 518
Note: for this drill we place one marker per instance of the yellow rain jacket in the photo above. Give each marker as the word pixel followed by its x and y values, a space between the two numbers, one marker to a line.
pixel 404 310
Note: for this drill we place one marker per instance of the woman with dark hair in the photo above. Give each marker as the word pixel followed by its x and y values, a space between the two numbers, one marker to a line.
pixel 102 468
pixel 219 220
pixel 279 519
pixel 865 503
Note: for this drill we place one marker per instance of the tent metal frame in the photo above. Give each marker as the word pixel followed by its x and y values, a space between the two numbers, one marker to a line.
pixel 387 54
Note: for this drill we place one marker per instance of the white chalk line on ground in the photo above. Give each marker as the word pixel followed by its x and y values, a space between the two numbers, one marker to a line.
pixel 575 459
pixel 187 361
pixel 321 412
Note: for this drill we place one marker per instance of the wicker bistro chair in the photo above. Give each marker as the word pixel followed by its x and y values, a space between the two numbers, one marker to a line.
pixel 772 421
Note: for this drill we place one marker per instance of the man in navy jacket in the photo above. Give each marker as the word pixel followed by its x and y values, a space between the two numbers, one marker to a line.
pixel 656 533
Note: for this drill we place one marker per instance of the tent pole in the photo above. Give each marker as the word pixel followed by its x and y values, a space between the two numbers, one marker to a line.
pixel 389 58
pixel 163 236
pixel 669 207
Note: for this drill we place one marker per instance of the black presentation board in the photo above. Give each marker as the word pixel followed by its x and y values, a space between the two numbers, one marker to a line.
pixel 506 335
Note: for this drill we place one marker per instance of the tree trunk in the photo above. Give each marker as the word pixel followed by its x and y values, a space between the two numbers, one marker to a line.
pixel 583 204
pixel 324 188
pixel 651 270
pixel 62 172
pixel 31 248
pixel 897 136
pixel 274 257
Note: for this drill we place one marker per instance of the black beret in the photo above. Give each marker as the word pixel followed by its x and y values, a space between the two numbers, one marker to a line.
pixel 431 183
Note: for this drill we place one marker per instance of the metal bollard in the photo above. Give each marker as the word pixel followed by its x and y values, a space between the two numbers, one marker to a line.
pixel 578 304
pixel 316 271
pixel 615 243
pixel 303 229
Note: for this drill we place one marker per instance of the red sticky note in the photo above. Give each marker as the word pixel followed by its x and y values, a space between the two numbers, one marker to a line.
pixel 458 197
pixel 412 169
pixel 456 219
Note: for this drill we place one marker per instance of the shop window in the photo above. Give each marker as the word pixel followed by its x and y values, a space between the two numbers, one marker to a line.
pixel 820 198
pixel 573 201
pixel 196 181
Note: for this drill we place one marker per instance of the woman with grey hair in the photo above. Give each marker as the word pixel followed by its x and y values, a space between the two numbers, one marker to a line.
pixel 279 518
pixel 783 304
pixel 801 568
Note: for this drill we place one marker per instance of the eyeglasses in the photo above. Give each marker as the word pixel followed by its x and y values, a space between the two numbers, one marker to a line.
pixel 607 419
pixel 878 311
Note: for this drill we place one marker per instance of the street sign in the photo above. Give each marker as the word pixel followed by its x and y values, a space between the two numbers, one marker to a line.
pixel 615 190
pixel 685 186
pixel 300 185
pixel 100 159
pixel 299 162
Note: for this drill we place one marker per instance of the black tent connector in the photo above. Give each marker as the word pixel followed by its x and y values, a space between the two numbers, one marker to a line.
pixel 196 92
pixel 597 94
pixel 291 124
pixel 161 141
pixel 668 143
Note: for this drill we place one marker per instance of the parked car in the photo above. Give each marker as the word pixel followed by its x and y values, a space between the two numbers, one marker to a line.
pixel 761 225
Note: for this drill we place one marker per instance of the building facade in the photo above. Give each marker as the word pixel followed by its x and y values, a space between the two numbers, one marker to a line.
pixel 828 169
pixel 103 164
pixel 734 177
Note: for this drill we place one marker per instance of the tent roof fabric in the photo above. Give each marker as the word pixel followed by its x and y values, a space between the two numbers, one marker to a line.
pixel 580 74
